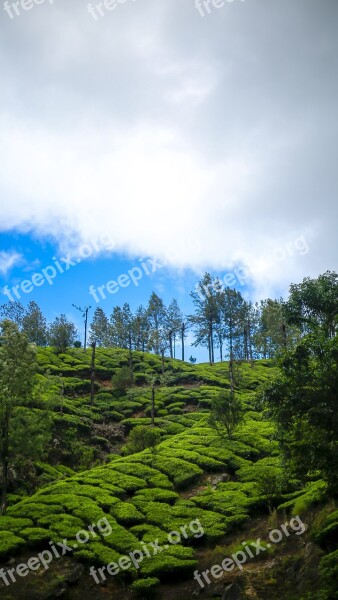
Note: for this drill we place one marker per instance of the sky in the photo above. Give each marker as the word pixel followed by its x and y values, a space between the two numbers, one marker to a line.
pixel 186 135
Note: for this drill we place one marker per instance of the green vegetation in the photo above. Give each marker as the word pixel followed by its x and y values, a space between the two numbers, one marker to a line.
pixel 222 444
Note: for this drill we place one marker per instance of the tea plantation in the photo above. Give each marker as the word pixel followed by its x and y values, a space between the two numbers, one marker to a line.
pixel 192 475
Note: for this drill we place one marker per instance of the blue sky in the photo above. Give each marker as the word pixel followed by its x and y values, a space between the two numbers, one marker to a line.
pixel 79 282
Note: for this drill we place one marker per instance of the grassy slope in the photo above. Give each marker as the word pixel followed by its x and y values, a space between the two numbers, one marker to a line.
pixel 147 495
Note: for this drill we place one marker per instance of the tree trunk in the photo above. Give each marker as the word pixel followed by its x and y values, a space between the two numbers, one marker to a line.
pixel 162 356
pixel 153 406
pixel 62 395
pixel 250 345
pixel 4 461
pixel 92 375
pixel 171 343
pixel 246 351
pixel 131 360
pixel 211 344
pixel 232 378
pixel 182 333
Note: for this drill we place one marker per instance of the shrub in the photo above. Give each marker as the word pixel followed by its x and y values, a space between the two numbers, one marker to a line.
pixel 328 570
pixel 36 535
pixel 33 510
pixel 9 543
pixel 144 586
pixel 156 495
pixel 126 513
pixel 14 525
pixel 141 438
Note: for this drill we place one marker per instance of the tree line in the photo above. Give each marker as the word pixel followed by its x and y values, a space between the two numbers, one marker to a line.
pixel 222 321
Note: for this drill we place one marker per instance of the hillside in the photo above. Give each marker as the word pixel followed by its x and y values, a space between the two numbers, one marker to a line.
pixel 214 492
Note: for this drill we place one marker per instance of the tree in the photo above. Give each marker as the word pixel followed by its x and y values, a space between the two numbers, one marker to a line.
pixel 270 481
pixel 303 401
pixel 17 370
pixel 62 333
pixel 174 320
pixel 141 329
pixel 313 304
pixel 13 311
pixel 156 316
pixel 226 413
pixel 34 324
pixel 122 380
pixel 118 330
pixel 273 334
pixel 141 438
pixel 99 329
pixel 233 312
pixel 206 301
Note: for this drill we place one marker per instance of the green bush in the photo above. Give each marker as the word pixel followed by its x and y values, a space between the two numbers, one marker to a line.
pixel 328 570
pixel 9 543
pixel 36 535
pixel 15 525
pixel 127 513
pixel 143 586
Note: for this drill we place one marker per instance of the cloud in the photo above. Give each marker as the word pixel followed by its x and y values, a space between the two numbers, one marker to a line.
pixel 8 260
pixel 206 142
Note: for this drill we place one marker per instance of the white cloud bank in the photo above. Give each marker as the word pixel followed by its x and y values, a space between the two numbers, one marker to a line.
pixel 206 142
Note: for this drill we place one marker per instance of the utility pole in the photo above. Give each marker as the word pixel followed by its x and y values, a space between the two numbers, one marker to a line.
pixel 85 316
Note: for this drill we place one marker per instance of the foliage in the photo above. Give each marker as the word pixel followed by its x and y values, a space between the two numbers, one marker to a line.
pixel 62 333
pixel 226 413
pixel 303 401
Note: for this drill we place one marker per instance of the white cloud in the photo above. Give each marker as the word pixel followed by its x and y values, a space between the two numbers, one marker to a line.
pixel 8 260
pixel 206 142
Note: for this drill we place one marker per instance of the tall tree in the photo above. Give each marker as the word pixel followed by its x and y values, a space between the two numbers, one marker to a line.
pixel 13 311
pixel 174 320
pixel 17 370
pixel 233 310
pixel 303 400
pixel 156 315
pixel 313 304
pixel 118 331
pixel 206 301
pixel 34 324
pixel 273 333
pixel 141 329
pixel 99 329
pixel 62 333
